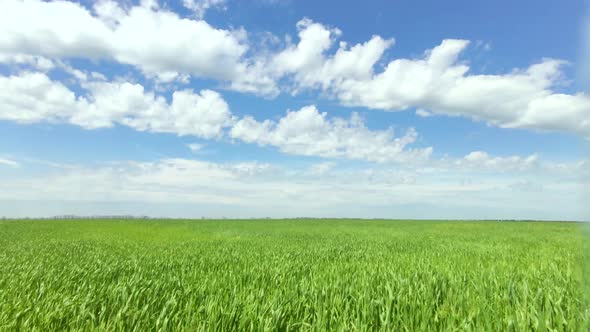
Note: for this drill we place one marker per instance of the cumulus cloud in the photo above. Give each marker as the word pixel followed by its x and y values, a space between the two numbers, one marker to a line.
pixel 33 97
pixel 47 32
pixel 522 99
pixel 202 114
pixel 168 47
pixel 311 133
pixel 311 67
pixel 437 83
pixel 157 41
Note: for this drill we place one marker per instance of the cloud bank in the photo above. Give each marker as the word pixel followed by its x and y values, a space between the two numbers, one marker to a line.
pixel 190 188
pixel 165 46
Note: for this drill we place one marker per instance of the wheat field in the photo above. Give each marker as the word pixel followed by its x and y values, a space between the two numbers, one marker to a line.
pixel 291 275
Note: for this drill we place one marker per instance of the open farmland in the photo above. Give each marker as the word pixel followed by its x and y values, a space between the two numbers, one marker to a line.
pixel 291 275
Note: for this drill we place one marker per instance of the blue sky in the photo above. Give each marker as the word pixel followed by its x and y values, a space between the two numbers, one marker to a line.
pixel 395 109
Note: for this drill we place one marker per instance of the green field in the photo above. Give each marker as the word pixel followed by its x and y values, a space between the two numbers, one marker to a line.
pixel 291 275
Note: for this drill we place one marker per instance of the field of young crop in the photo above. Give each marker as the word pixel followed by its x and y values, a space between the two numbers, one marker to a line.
pixel 291 275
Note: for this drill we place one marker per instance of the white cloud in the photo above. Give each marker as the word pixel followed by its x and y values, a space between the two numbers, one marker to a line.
pixel 167 47
pixel 161 42
pixel 199 7
pixel 36 62
pixel 309 132
pixel 437 82
pixel 157 41
pixel 52 29
pixel 79 75
pixel 481 160
pixel 203 114
pixel 248 189
pixel 34 97
pixel 163 45
pixel 195 147
pixel 8 162
pixel 522 99
pixel 109 12
pixel 308 63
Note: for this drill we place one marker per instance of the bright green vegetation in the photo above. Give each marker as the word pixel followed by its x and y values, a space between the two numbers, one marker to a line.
pixel 291 275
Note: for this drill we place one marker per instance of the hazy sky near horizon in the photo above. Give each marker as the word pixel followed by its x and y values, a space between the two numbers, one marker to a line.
pixel 393 109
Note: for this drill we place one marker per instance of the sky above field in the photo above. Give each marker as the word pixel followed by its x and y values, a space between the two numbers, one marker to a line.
pixel 278 108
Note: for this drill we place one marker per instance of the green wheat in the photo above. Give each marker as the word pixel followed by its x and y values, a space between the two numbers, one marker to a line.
pixel 291 275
